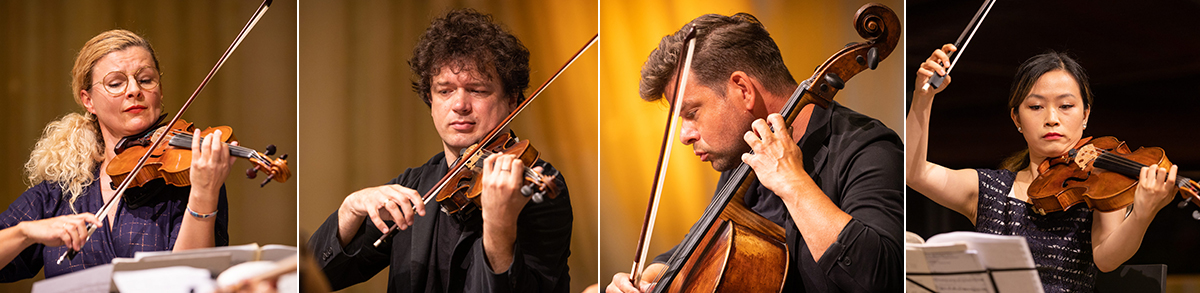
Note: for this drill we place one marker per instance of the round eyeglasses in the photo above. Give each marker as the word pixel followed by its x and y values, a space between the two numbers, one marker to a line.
pixel 116 83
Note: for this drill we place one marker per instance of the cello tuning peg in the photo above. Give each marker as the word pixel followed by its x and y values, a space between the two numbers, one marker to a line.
pixel 251 172
pixel 834 80
pixel 527 190
pixel 1196 215
pixel 270 149
pixel 1183 204
pixel 283 157
pixel 873 58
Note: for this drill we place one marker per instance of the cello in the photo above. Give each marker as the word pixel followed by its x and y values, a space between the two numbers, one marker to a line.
pixel 731 248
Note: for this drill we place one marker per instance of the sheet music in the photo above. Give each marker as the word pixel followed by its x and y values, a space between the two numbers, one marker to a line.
pixel 961 261
pixel 210 261
pixel 182 279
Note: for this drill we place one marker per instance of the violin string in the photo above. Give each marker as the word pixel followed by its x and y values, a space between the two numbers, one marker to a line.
pixel 1133 167
pixel 1129 166
pixel 537 177
pixel 185 140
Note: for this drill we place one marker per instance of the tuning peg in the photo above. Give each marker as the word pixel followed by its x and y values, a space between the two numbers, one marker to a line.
pixel 270 149
pixel 538 197
pixel 265 181
pixel 527 190
pixel 252 172
pixel 1196 215
pixel 834 80
pixel 873 58
pixel 283 157
pixel 1183 204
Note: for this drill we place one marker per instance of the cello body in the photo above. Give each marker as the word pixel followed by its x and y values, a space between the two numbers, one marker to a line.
pixel 741 253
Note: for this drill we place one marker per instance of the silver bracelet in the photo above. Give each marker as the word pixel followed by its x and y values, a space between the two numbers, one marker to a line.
pixel 199 215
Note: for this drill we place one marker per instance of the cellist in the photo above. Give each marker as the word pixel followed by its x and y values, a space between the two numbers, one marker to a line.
pixel 837 191
pixel 472 73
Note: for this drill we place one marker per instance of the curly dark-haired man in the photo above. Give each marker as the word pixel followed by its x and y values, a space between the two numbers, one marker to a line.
pixel 837 191
pixel 472 74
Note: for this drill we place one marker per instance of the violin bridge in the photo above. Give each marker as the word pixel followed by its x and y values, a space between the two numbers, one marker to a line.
pixel 1086 155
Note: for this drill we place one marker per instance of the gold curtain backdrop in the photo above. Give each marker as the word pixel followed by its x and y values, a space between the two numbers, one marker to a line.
pixel 363 125
pixel 807 32
pixel 255 92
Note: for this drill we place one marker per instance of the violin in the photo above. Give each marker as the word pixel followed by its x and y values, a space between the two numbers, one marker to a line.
pixel 173 161
pixel 458 192
pixel 1102 172
pixel 732 248
pixel 465 196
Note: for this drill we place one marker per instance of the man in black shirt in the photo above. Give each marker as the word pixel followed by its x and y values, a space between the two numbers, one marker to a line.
pixel 837 192
pixel 472 73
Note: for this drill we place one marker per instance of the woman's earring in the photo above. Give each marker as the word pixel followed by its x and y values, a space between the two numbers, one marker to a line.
pixel 1084 125
pixel 1019 129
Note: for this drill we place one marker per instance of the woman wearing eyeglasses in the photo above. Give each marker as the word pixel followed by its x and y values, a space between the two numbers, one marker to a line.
pixel 116 80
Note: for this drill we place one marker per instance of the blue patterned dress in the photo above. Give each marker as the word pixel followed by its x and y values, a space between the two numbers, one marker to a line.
pixel 1061 242
pixel 147 219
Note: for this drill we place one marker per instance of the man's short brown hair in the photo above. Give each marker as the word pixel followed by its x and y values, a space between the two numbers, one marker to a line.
pixel 724 44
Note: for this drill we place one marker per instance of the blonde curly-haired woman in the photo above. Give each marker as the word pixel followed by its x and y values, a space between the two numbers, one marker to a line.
pixel 116 79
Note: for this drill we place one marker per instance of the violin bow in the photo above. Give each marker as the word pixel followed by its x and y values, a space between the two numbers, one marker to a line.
pixel 683 70
pixel 461 164
pixel 120 191
pixel 968 33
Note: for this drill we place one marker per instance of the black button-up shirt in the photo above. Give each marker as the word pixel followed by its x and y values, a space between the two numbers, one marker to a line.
pixel 441 254
pixel 858 163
